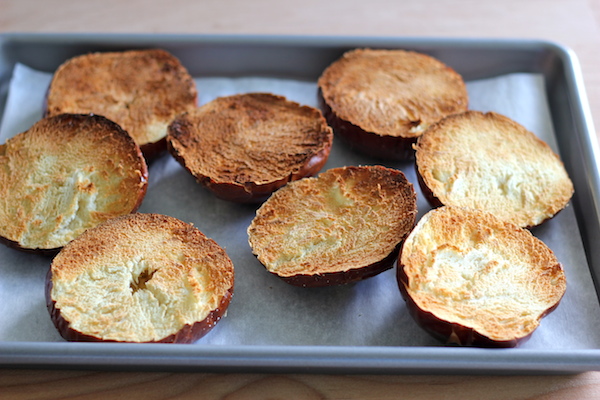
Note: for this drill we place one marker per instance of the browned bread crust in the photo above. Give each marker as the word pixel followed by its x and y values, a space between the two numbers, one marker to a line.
pixel 471 279
pixel 141 90
pixel 342 226
pixel 139 278
pixel 243 147
pixel 380 101
pixel 489 162
pixel 66 174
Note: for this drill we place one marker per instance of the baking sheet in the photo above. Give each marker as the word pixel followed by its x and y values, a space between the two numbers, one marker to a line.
pixel 267 316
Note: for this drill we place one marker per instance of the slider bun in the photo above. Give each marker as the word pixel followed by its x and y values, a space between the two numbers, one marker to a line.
pixel 139 278
pixel 141 90
pixel 66 174
pixel 246 146
pixel 469 278
pixel 489 162
pixel 342 226
pixel 380 101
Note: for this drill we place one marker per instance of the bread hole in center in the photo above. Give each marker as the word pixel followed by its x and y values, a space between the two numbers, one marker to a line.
pixel 139 282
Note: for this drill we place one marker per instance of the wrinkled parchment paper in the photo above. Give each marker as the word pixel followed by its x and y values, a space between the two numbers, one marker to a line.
pixel 265 310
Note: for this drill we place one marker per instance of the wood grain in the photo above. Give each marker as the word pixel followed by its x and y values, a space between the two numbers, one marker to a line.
pixel 24 384
pixel 573 23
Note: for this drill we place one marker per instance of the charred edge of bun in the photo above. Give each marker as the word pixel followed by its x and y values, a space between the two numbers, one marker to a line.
pixel 154 150
pixel 431 198
pixel 41 251
pixel 384 147
pixel 342 277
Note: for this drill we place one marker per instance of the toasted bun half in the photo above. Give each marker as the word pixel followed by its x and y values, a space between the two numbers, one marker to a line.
pixel 139 278
pixel 244 147
pixel 489 162
pixel 380 101
pixel 141 90
pixel 469 278
pixel 64 175
pixel 342 226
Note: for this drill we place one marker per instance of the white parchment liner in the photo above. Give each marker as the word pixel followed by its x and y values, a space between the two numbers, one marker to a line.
pixel 265 310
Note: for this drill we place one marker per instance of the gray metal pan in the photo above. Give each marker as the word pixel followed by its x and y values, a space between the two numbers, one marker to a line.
pixel 304 58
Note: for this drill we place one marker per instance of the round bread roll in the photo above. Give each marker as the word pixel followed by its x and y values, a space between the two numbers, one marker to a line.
pixel 141 90
pixel 139 278
pixel 470 279
pixel 343 226
pixel 64 175
pixel 381 101
pixel 489 162
pixel 244 147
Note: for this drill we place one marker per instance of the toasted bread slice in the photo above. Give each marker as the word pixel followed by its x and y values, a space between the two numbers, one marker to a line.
pixel 139 278
pixel 380 101
pixel 470 278
pixel 141 90
pixel 66 174
pixel 243 147
pixel 490 162
pixel 342 226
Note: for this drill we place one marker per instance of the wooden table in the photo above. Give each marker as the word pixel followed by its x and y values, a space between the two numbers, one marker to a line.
pixel 574 23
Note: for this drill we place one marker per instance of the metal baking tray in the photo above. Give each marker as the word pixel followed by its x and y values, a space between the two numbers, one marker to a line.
pixel 303 58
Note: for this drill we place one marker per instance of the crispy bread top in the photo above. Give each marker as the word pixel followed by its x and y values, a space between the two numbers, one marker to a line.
pixel 392 92
pixel 65 174
pixel 469 268
pixel 489 162
pixel 343 219
pixel 139 277
pixel 251 139
pixel 141 90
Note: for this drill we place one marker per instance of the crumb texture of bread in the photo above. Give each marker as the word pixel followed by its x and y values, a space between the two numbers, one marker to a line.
pixel 468 269
pixel 395 93
pixel 66 174
pixel 346 218
pixel 245 146
pixel 490 162
pixel 140 278
pixel 141 90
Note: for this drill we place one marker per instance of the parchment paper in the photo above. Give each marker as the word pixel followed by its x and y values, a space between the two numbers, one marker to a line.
pixel 265 310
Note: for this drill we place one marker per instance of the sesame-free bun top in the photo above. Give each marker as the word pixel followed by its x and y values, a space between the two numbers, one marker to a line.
pixel 489 162
pixel 245 146
pixel 375 95
pixel 66 174
pixel 470 278
pixel 342 226
pixel 141 90
pixel 139 278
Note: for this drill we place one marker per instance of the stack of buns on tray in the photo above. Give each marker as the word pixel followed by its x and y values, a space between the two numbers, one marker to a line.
pixel 469 270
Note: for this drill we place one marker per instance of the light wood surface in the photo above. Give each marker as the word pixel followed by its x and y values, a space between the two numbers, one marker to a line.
pixel 573 23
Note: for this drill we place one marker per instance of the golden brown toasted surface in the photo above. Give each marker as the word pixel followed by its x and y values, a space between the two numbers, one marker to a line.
pixel 139 278
pixel 490 162
pixel 65 174
pixel 141 90
pixel 469 268
pixel 346 218
pixel 250 140
pixel 392 92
